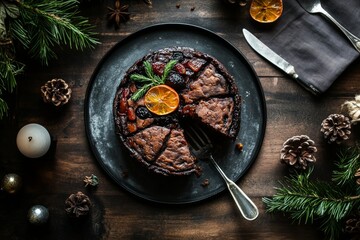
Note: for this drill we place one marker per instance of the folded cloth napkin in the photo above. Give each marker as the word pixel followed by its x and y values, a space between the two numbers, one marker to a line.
pixel 319 51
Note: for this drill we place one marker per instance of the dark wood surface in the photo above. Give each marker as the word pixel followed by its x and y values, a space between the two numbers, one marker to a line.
pixel 116 214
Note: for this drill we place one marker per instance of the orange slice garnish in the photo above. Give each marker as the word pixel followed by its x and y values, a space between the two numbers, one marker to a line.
pixel 161 100
pixel 266 11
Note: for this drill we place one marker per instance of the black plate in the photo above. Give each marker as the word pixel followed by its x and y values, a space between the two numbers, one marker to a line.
pixel 114 158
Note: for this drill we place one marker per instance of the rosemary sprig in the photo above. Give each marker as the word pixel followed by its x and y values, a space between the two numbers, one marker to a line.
pixel 150 79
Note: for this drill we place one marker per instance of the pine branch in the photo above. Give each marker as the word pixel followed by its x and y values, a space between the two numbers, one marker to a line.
pixel 307 200
pixel 3 108
pixel 38 26
pixel 51 23
pixel 9 68
pixel 349 162
pixel 331 228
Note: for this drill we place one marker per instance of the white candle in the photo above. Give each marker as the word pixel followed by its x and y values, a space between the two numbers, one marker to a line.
pixel 33 140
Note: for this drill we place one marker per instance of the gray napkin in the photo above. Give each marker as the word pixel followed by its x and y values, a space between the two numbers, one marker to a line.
pixel 317 49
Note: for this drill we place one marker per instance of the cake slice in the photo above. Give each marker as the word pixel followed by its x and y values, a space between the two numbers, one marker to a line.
pixel 146 144
pixel 209 83
pixel 216 113
pixel 176 159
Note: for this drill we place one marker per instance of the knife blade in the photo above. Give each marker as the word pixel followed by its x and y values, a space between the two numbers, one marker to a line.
pixel 275 59
pixel 269 54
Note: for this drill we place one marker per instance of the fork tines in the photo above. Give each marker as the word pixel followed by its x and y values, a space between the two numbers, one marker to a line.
pixel 197 137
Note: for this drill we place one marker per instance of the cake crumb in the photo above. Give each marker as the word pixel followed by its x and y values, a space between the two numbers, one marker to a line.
pixel 205 183
pixel 239 146
pixel 198 171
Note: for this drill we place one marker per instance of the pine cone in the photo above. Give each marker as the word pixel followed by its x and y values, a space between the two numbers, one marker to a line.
pixel 240 2
pixel 357 176
pixel 353 108
pixel 336 128
pixel 77 205
pixel 352 225
pixel 298 151
pixel 56 91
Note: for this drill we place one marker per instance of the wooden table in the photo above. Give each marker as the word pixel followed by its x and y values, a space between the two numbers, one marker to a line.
pixel 117 214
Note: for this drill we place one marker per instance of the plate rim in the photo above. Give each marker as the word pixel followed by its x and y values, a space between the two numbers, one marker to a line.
pixel 158 26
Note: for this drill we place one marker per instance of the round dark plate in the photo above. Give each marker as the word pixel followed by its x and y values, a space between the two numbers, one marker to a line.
pixel 114 158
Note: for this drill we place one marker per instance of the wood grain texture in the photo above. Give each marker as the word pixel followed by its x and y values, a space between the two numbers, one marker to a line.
pixel 116 214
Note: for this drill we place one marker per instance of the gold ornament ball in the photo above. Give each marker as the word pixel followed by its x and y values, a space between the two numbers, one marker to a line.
pixel 11 183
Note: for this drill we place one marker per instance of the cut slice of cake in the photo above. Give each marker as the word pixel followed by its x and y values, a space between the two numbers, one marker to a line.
pixel 216 113
pixel 176 159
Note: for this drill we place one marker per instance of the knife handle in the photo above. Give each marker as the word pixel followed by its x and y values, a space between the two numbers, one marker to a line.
pixel 290 70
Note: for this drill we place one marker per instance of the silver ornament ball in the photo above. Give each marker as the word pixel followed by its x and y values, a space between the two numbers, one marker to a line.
pixel 38 215
pixel 11 183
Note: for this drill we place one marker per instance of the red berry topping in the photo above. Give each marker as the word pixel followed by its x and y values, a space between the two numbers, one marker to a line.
pixel 158 68
pixel 131 114
pixel 180 68
pixel 123 106
pixel 195 64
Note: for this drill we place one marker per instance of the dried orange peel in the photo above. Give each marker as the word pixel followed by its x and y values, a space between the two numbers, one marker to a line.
pixel 266 11
pixel 161 100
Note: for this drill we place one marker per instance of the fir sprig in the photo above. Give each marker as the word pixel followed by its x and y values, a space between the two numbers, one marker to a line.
pixel 9 69
pixel 50 23
pixel 150 79
pixel 39 27
pixel 349 162
pixel 307 200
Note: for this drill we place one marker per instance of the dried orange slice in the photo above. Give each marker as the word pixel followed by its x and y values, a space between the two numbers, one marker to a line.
pixel 161 100
pixel 266 11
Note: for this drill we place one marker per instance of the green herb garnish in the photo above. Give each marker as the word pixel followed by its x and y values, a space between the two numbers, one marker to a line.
pixel 150 79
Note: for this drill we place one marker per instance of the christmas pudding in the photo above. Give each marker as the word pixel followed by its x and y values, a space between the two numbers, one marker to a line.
pixel 163 90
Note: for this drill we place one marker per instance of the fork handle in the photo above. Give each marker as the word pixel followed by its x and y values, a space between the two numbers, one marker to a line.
pixel 247 208
pixel 353 39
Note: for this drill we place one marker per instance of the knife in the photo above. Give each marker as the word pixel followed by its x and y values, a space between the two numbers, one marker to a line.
pixel 275 59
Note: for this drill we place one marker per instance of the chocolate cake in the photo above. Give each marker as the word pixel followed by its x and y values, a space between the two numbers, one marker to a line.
pixel 207 94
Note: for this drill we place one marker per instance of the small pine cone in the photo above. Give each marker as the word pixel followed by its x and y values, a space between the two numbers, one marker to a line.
pixel 353 108
pixel 77 205
pixel 352 224
pixel 298 151
pixel 56 92
pixel 336 128
pixel 357 176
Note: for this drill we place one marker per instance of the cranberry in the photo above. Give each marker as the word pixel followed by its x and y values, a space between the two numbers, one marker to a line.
pixel 195 64
pixel 180 68
pixel 131 127
pixel 131 114
pixel 158 68
pixel 123 105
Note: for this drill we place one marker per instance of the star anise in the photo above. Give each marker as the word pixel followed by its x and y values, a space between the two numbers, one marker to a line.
pixel 91 180
pixel 120 13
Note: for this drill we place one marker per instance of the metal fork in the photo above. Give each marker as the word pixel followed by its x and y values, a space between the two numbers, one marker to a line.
pixel 314 6
pixel 202 148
